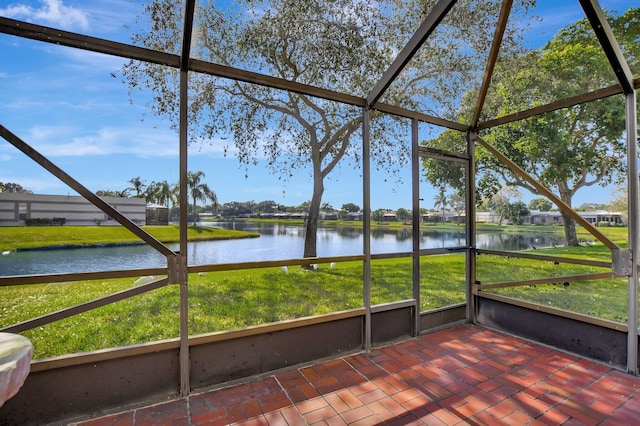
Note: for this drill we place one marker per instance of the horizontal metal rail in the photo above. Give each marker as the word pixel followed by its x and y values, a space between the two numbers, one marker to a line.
pixel 441 154
pixel 379 256
pixel 274 326
pixel 449 250
pixel 237 74
pixel 422 252
pixel 556 311
pixel 556 259
pixel 551 280
pixel 94 44
pixel 84 307
pixel 390 306
pixel 426 118
pixel 91 357
pixel 78 276
pixel 273 263
pixel 605 92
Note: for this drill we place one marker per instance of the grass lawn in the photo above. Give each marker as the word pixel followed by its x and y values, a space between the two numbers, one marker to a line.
pixel 235 299
pixel 217 301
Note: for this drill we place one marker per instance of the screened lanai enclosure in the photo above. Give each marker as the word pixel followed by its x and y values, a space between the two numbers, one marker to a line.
pixel 438 103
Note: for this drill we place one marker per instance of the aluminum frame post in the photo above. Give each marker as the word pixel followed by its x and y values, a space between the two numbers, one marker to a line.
pixel 181 258
pixel 415 225
pixel 366 225
pixel 470 204
pixel 184 206
pixel 633 229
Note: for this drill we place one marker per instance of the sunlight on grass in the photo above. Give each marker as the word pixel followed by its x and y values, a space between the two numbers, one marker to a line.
pixel 229 300
pixel 442 281
pixel 140 319
pixel 391 280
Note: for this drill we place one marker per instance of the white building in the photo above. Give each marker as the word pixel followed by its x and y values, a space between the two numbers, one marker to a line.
pixel 18 209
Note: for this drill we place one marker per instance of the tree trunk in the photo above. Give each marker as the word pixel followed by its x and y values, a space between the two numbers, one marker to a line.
pixel 194 211
pixel 570 234
pixel 310 238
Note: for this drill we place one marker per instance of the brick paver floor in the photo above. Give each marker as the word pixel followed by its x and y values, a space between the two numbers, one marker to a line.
pixel 463 375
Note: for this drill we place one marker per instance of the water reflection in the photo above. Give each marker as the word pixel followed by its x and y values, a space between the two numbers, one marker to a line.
pixel 277 241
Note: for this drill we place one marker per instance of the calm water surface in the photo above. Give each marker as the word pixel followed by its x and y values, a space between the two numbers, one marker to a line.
pixel 277 241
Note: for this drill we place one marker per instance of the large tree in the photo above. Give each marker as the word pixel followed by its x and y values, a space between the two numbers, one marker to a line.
pixel 568 149
pixel 342 45
pixel 575 147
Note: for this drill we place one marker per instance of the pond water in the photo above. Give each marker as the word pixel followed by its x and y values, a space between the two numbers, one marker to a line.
pixel 276 241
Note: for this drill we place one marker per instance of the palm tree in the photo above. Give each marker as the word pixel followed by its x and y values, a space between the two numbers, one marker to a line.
pixel 151 192
pixel 137 185
pixel 199 191
pixel 327 207
pixel 163 193
pixel 440 200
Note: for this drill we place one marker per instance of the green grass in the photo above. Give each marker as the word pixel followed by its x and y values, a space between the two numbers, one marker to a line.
pixel 30 237
pixel 234 299
pixel 605 298
pixel 217 301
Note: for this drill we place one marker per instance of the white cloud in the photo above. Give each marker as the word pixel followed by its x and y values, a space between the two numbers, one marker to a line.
pixel 51 12
pixel 98 63
pixel 144 142
pixel 36 185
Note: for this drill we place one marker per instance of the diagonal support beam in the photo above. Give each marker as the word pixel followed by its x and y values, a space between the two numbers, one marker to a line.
pixel 82 190
pixel 491 61
pixel 609 44
pixel 426 28
pixel 85 307
pixel 187 34
pixel 550 195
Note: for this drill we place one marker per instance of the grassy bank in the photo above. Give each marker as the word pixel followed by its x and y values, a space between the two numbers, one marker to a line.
pixel 235 299
pixel 616 233
pixel 30 237
pixel 448 226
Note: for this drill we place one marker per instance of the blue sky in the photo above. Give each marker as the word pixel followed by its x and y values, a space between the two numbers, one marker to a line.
pixel 66 104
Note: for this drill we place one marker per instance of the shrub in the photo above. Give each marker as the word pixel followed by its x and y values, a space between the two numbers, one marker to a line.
pixel 45 221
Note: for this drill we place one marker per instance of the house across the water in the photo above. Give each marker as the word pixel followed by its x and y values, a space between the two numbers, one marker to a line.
pixel 19 209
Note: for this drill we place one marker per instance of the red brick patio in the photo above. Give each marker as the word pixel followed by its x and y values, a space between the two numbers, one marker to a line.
pixel 463 375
